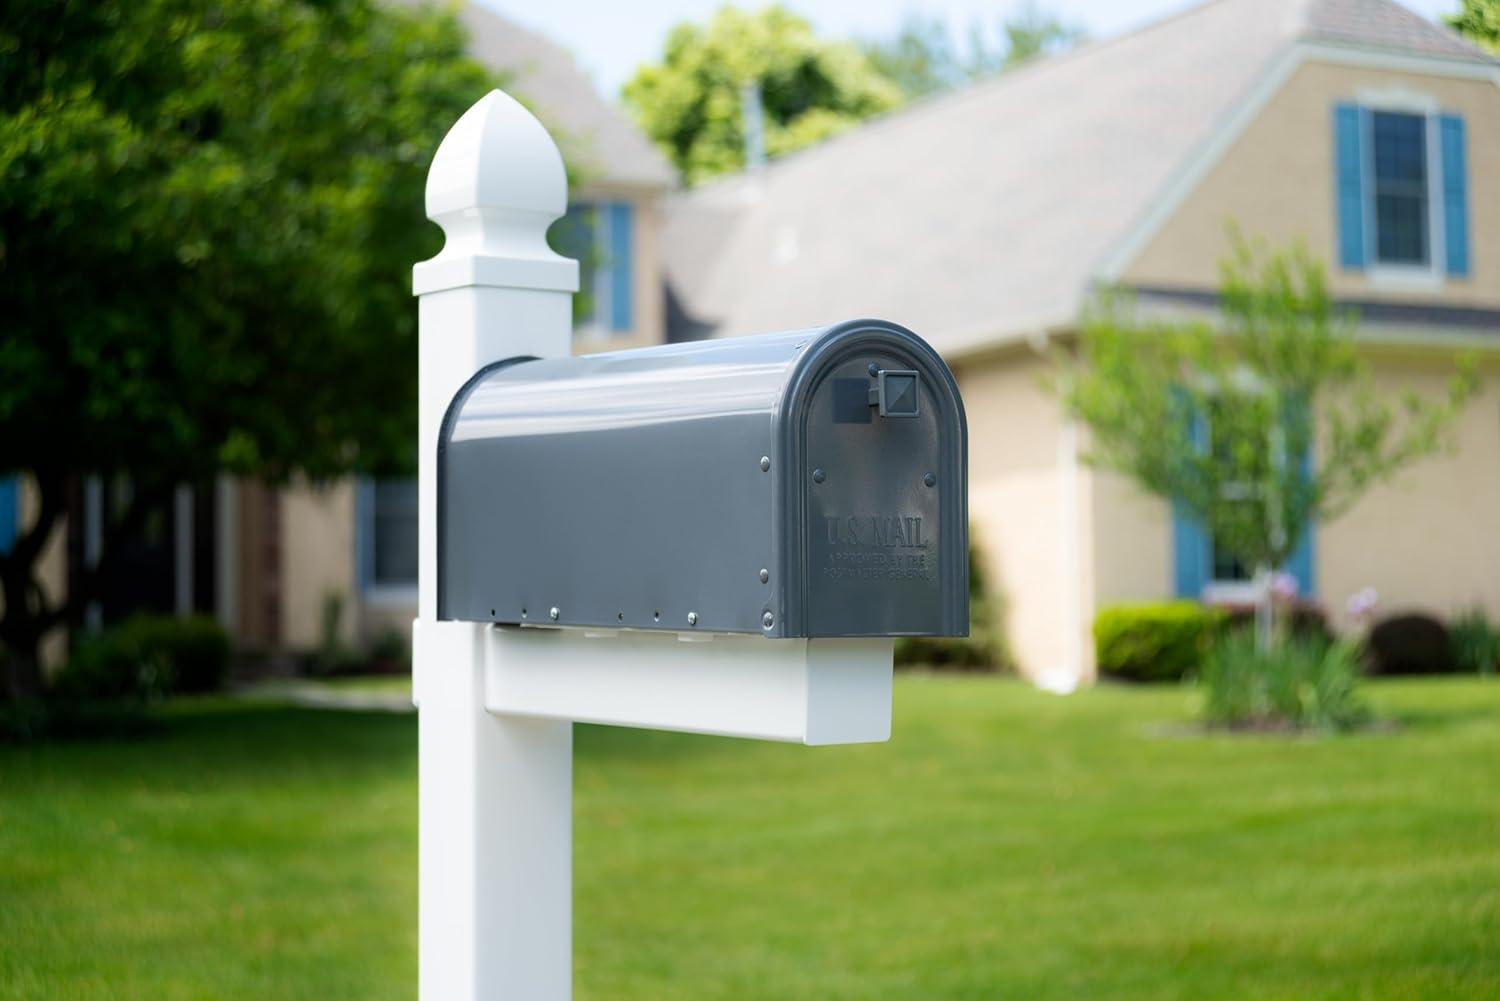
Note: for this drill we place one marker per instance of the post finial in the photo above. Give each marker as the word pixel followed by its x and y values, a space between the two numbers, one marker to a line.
pixel 496 183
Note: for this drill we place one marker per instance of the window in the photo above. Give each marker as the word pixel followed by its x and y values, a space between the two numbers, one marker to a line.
pixel 1202 568
pixel 1399 188
pixel 389 534
pixel 1225 567
pixel 599 236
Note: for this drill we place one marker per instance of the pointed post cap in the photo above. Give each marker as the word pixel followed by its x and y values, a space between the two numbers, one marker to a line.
pixel 496 183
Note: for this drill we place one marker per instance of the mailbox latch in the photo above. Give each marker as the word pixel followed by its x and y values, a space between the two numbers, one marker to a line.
pixel 895 392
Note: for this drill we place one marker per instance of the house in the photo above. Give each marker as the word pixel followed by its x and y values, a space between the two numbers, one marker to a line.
pixel 284 569
pixel 986 220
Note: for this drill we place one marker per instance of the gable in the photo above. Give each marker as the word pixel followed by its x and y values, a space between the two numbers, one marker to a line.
pixel 1276 181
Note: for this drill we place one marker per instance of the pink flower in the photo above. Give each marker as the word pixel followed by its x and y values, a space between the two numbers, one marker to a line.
pixel 1361 604
pixel 1284 586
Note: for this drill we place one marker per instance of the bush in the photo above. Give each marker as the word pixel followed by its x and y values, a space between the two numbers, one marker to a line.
pixel 195 649
pixel 1154 641
pixel 1410 644
pixel 1299 683
pixel 1475 643
pixel 113 666
pixel 146 658
pixel 984 649
pixel 390 653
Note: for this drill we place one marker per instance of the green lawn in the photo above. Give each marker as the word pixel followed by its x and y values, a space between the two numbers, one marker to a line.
pixel 1005 843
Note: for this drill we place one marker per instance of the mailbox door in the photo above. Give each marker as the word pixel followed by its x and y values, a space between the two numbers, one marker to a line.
pixel 876 472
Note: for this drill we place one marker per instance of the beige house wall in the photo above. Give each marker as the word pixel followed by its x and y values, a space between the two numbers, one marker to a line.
pixel 318 562
pixel 1131 556
pixel 1430 539
pixel 1276 181
pixel 1026 509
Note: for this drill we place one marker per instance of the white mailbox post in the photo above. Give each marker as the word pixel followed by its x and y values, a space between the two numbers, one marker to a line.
pixel 497 703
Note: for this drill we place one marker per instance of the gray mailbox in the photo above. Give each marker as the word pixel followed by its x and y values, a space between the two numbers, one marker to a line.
pixel 802 484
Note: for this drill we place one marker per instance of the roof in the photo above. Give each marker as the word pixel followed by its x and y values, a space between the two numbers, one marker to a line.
pixel 985 214
pixel 595 135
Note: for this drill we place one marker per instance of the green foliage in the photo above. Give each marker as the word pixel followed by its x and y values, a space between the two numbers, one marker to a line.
pixel 114 676
pixel 114 666
pixel 1301 619
pixel 208 216
pixel 1479 21
pixel 1154 641
pixel 1297 684
pixel 195 649
pixel 984 649
pixel 1475 643
pixel 390 650
pixel 1277 370
pixel 1413 643
pixel 921 58
pixel 145 659
pixel 810 88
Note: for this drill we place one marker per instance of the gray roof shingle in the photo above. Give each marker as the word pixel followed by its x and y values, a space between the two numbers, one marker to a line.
pixel 980 215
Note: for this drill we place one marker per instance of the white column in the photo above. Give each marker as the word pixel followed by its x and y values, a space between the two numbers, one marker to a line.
pixel 227 554
pixel 93 542
pixel 182 551
pixel 496 791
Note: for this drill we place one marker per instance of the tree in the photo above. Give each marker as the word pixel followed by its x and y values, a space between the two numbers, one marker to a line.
pixel 1479 21
pixel 1032 33
pixel 690 102
pixel 1216 416
pixel 922 58
pixel 208 214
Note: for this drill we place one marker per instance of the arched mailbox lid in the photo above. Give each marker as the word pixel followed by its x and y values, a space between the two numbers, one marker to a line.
pixel 807 483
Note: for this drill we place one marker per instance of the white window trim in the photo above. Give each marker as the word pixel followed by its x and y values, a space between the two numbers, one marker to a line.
pixel 1230 592
pixel 1429 277
pixel 390 595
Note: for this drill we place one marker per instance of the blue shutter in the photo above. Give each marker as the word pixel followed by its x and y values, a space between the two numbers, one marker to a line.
pixel 1455 194
pixel 1191 553
pixel 1300 563
pixel 1348 168
pixel 364 533
pixel 9 513
pixel 621 267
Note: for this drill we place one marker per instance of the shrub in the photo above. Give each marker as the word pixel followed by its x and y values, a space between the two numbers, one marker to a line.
pixel 984 649
pixel 196 649
pixel 145 658
pixel 1154 641
pixel 1475 643
pixel 1410 644
pixel 113 666
pixel 1300 682
pixel 389 652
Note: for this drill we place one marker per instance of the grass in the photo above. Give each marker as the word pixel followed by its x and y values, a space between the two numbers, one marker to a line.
pixel 1006 843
